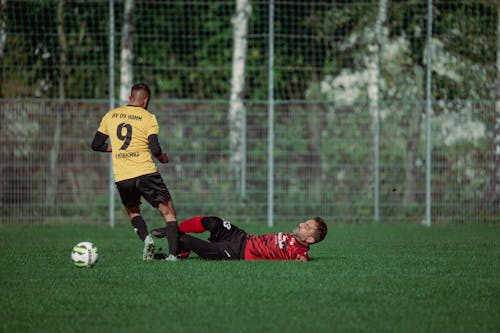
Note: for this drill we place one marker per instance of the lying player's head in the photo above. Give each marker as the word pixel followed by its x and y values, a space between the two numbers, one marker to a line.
pixel 311 231
pixel 321 231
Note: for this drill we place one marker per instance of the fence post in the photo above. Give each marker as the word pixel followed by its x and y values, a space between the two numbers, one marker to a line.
pixel 428 112
pixel 270 114
pixel 111 196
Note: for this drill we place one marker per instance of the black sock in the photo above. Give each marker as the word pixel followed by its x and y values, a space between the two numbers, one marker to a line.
pixel 172 237
pixel 140 227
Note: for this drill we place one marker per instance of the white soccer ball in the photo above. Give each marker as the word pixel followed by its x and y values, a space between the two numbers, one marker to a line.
pixel 84 254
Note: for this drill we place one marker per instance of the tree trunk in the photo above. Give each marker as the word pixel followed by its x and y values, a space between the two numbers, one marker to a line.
pixel 373 87
pixel 3 35
pixel 237 112
pixel 127 51
pixel 414 127
pixel 495 146
pixel 57 135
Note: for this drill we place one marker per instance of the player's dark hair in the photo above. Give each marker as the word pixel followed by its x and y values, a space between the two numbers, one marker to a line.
pixel 322 230
pixel 141 86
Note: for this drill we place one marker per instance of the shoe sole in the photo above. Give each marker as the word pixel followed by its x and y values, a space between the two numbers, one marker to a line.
pixel 158 233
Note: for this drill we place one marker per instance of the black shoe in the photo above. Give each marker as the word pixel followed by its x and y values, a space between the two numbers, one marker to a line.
pixel 160 232
pixel 159 256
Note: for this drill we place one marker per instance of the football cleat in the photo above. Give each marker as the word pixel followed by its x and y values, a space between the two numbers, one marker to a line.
pixel 160 232
pixel 183 254
pixel 171 257
pixel 149 248
pixel 160 256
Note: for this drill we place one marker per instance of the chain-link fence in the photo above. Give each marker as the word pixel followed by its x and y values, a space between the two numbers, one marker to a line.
pixel 269 110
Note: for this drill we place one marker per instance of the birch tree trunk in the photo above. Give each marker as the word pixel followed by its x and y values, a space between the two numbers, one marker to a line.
pixel 52 179
pixel 495 170
pixel 373 83
pixel 3 33
pixel 127 51
pixel 237 111
pixel 414 128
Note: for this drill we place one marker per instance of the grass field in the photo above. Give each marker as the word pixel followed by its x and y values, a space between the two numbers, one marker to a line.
pixel 363 278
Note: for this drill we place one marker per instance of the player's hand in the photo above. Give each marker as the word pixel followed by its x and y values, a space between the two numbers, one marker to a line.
pixel 301 258
pixel 163 158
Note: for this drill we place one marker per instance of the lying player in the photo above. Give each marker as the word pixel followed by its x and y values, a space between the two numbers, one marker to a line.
pixel 228 242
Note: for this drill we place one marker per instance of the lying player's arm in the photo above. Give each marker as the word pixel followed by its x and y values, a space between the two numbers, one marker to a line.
pixel 99 143
pixel 154 146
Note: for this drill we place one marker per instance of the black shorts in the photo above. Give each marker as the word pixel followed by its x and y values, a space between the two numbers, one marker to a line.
pixel 151 187
pixel 226 241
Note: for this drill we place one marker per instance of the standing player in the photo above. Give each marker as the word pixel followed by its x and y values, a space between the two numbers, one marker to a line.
pixel 228 242
pixel 133 132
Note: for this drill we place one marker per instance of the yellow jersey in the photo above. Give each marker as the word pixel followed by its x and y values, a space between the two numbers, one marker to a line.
pixel 128 128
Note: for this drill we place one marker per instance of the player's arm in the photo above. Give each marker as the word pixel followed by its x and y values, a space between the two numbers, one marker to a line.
pixel 99 143
pixel 154 146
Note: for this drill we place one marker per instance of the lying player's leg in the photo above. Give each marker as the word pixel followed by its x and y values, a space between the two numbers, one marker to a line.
pixel 202 248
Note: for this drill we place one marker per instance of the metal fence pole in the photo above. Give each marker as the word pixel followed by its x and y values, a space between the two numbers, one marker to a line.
pixel 243 180
pixel 270 113
pixel 377 167
pixel 111 187
pixel 428 112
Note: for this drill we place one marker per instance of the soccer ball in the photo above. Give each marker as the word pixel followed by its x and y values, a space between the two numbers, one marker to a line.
pixel 84 254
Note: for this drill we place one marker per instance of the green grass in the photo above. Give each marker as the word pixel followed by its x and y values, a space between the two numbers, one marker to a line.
pixel 363 278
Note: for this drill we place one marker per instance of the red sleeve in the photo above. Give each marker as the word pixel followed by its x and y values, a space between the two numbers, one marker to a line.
pixel 193 225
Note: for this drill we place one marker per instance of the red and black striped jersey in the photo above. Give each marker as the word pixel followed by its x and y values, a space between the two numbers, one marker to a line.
pixel 279 246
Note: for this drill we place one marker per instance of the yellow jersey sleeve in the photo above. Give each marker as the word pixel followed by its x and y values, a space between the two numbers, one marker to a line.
pixel 128 128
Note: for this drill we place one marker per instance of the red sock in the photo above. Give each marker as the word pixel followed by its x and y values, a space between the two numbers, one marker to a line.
pixel 193 225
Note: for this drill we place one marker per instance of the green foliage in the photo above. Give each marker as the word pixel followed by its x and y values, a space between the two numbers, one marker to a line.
pixel 323 147
pixel 185 49
pixel 383 278
pixel 33 46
